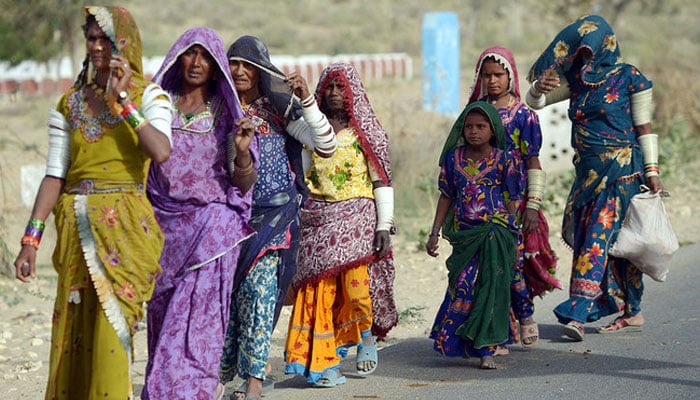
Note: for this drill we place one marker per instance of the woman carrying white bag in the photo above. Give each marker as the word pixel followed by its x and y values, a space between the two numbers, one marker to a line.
pixel 616 152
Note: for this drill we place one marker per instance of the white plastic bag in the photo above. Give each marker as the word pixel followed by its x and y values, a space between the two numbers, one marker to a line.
pixel 646 238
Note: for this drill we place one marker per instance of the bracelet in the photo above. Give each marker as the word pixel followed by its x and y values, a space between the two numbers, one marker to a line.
pixel 533 90
pixel 535 188
pixel 36 223
pixel 307 102
pixel 650 154
pixel 434 235
pixel 243 171
pixel 133 116
pixel 33 233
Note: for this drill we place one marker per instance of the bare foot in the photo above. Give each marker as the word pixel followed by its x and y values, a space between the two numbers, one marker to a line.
pixel 487 363
pixel 635 320
pixel 254 389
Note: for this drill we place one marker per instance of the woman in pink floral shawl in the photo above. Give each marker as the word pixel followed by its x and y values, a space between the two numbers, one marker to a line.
pixel 344 278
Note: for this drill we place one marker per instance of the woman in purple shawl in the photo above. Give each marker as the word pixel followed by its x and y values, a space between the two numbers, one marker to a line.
pixel 202 200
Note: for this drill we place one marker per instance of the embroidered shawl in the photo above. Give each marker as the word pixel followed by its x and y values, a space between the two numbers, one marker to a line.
pixel 369 131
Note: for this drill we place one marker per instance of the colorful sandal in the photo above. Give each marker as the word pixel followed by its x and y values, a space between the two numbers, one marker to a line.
pixel 620 324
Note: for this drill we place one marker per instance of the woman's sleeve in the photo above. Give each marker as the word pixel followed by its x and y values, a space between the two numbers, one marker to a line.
pixel 530 133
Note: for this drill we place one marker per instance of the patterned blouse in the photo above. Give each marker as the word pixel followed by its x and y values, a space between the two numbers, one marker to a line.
pixel 343 176
pixel 480 189
pixel 274 172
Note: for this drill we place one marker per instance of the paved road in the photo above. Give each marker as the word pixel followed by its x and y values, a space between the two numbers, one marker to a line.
pixel 659 363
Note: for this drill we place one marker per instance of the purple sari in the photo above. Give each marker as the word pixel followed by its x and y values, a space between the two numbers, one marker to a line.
pixel 204 219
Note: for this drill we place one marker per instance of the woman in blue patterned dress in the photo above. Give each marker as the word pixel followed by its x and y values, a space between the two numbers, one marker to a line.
pixel 615 153
pixel 268 259
pixel 480 190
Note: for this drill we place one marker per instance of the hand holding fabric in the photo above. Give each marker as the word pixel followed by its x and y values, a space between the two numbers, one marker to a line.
pixel 298 85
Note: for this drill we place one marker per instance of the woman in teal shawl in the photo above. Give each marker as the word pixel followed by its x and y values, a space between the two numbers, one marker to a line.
pixel 616 151
pixel 480 188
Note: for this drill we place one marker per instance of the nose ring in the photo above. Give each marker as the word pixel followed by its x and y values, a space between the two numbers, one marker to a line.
pixel 99 47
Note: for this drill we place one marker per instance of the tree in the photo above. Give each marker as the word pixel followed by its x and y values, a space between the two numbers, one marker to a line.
pixel 39 29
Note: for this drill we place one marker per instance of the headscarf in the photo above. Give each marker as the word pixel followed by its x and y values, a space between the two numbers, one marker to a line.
pixel 370 134
pixel 456 136
pixel 119 26
pixel 590 32
pixel 504 57
pixel 169 76
pixel 273 83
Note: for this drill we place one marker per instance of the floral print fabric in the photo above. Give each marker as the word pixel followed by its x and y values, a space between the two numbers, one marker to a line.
pixel 343 177
pixel 608 163
pixel 107 245
pixel 204 218
pixel 479 190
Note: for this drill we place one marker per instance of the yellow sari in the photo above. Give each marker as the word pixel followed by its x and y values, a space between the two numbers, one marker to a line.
pixel 108 244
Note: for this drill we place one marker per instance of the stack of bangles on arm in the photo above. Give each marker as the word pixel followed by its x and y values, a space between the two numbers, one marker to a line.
pixel 435 232
pixel 243 171
pixel 133 116
pixel 324 138
pixel 535 188
pixel 650 154
pixel 32 235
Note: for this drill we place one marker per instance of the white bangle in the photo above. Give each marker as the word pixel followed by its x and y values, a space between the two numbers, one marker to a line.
pixel 536 179
pixel 641 104
pixel 533 89
pixel 308 102
pixel 534 98
pixel 384 200
pixel 58 159
pixel 650 153
pixel 323 137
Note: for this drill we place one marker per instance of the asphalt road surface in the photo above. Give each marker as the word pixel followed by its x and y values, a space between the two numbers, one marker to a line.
pixel 661 362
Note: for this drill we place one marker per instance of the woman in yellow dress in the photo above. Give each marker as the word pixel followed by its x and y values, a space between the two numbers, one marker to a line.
pixel 102 136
